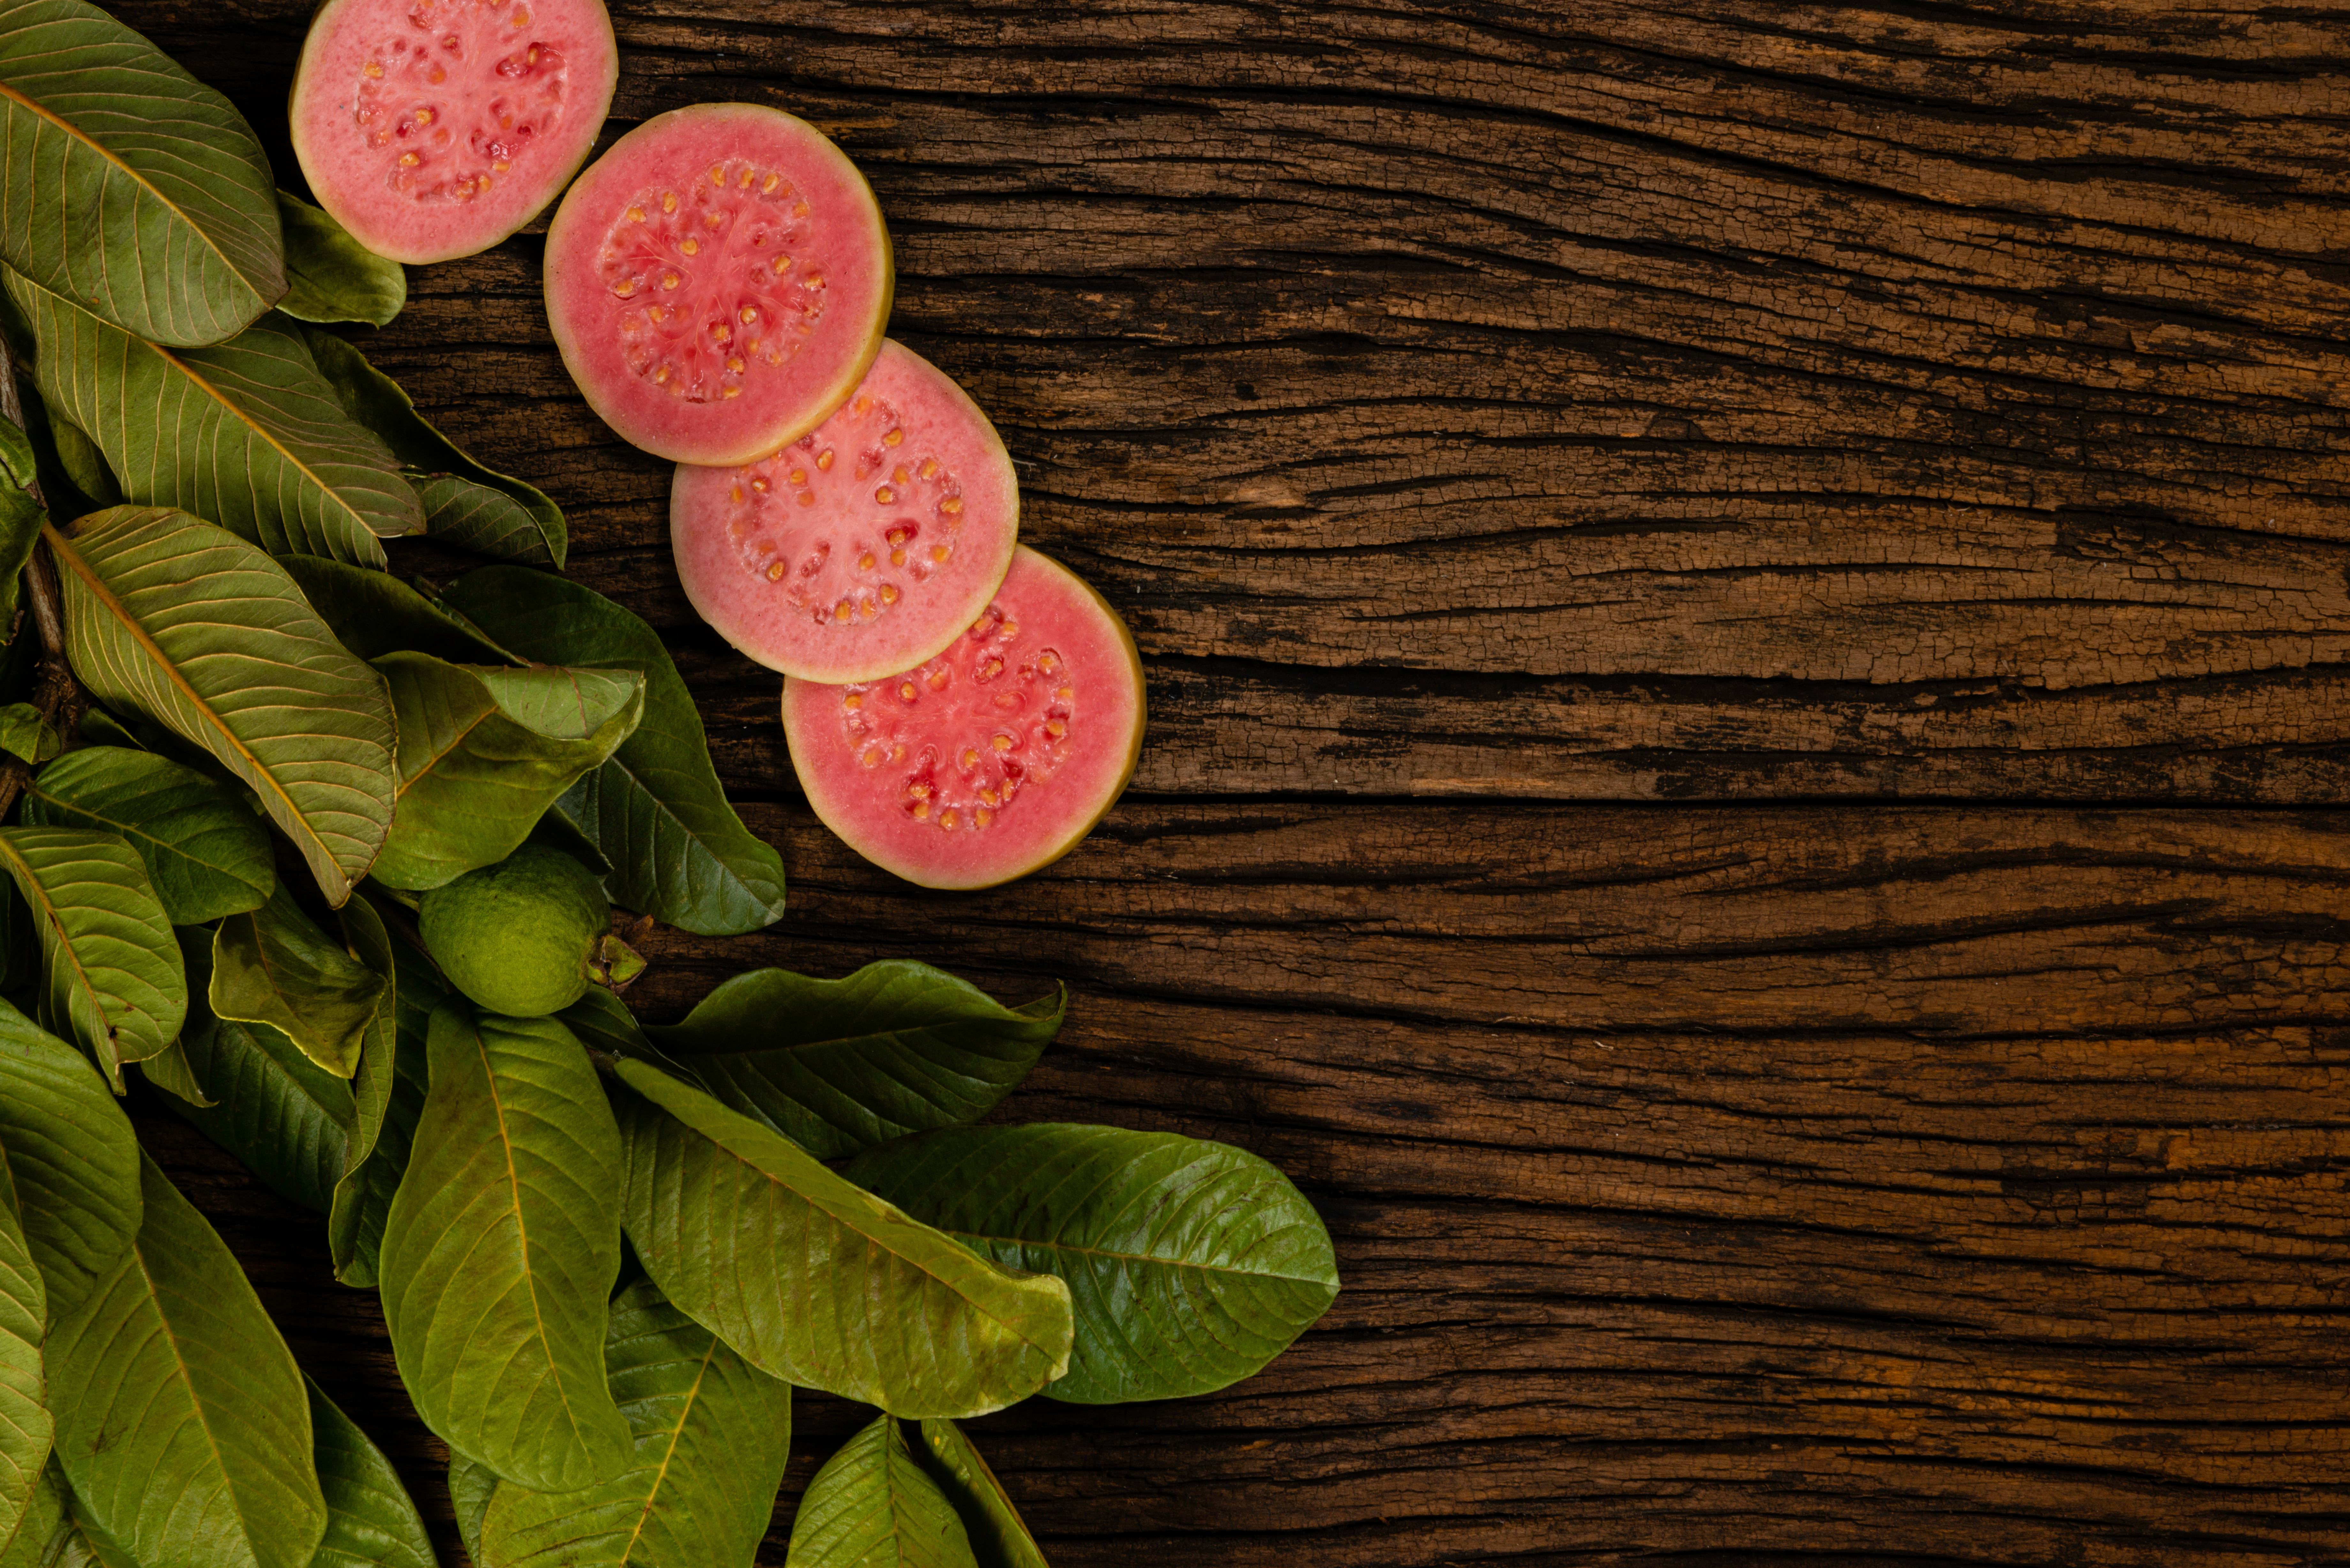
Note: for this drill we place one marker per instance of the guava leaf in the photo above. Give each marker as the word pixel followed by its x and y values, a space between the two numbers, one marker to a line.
pixel 356 1233
pixel 873 1504
pixel 273 965
pixel 465 503
pixel 75 480
pixel 169 1070
pixel 471 1487
pixel 68 1160
pixel 182 1419
pixel 817 1282
pixel 839 1065
pixel 287 1118
pixel 370 1521
pixel 273 1108
pixel 191 626
pixel 126 184
pixel 45 1512
pixel 78 1542
pixel 999 1538
pixel 205 852
pixel 1191 1263
pixel 374 613
pixel 20 515
pixel 244 434
pixel 371 943
pixel 25 1422
pixel 501 1249
pixel 656 810
pixel 484 750
pixel 711 1436
pixel 111 971
pixel 331 276
pixel 24 733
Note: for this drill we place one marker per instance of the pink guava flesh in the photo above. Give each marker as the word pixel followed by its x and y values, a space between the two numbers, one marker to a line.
pixel 992 759
pixel 718 282
pixel 863 548
pixel 433 128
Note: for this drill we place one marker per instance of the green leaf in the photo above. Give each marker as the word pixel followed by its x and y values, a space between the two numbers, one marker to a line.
pixel 188 624
pixel 471 1487
pixel 1191 1263
pixel 25 1422
pixel 45 1514
pixel 839 1065
pixel 374 613
pixel 484 750
pixel 130 185
pixel 370 1522
pixel 357 1235
pixel 205 852
pixel 712 1435
pixel 169 1070
pixel 285 1117
pixel 244 434
pixel 998 1537
pixel 78 1542
pixel 21 514
pixel 874 1506
pixel 372 1087
pixel 24 733
pixel 817 1282
pixel 75 480
pixel 465 504
pixel 182 1419
pixel 501 1249
pixel 331 276
pixel 656 810
pixel 111 970
pixel 68 1160
pixel 273 965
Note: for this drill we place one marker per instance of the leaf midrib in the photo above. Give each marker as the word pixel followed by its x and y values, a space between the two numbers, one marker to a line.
pixel 43 112
pixel 676 1436
pixel 63 549
pixel 130 830
pixel 869 1237
pixel 186 1377
pixel 31 878
pixel 522 1231
pixel 257 427
pixel 1073 1250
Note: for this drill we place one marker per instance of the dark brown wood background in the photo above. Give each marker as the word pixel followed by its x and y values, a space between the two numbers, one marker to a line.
pixel 1747 608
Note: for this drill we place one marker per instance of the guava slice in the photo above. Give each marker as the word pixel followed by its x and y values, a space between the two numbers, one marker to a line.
pixel 718 282
pixel 990 760
pixel 865 546
pixel 433 128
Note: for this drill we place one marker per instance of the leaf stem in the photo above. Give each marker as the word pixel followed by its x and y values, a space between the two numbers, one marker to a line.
pixel 58 696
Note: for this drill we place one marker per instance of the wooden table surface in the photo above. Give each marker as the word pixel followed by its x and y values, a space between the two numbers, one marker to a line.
pixel 1748 613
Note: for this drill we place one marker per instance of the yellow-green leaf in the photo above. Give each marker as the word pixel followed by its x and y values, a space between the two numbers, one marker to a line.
pixel 193 627
pixel 126 185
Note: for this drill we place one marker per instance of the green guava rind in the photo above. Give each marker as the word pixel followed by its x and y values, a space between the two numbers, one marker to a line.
pixel 515 937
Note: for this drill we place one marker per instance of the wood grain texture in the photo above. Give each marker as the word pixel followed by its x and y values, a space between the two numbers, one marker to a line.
pixel 1491 416
pixel 1721 399
pixel 1710 1184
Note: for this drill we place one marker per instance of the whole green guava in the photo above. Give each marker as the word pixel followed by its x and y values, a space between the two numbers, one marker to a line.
pixel 517 937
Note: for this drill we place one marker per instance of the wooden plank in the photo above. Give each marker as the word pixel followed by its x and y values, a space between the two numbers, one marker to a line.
pixel 1708 1183
pixel 1723 400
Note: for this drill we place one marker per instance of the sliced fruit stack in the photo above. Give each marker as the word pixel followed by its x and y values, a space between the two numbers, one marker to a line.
pixel 960 711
